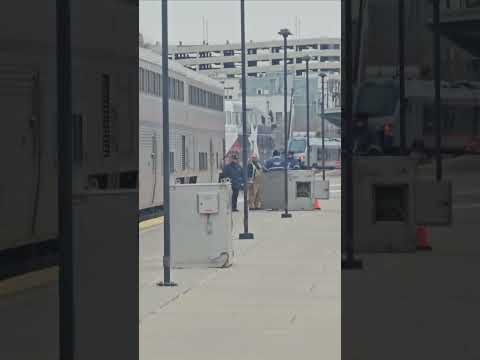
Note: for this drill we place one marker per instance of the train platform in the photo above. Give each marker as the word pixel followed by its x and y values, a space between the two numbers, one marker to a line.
pixel 280 298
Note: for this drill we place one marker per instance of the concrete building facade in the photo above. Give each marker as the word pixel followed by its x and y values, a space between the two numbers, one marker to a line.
pixel 222 61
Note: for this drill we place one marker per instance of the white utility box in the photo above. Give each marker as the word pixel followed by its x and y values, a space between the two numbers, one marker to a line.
pixel 300 189
pixel 389 202
pixel 201 225
pixel 383 204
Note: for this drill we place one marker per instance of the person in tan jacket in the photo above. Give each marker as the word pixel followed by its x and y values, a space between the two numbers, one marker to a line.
pixel 255 176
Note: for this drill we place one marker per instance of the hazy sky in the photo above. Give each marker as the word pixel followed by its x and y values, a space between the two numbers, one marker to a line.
pixel 263 19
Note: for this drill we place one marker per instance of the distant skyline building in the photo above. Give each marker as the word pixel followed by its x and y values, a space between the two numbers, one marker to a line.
pixel 222 61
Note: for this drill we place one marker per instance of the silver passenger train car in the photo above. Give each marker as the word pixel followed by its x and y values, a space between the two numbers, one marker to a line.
pixel 197 128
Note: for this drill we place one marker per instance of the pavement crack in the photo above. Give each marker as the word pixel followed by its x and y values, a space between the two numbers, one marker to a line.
pixel 178 296
pixel 292 320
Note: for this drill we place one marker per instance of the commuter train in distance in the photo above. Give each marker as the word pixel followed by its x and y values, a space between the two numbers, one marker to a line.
pixel 197 128
pixel 379 100
pixel 332 146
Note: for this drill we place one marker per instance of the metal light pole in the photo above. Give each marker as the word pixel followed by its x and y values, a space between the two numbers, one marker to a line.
pixel 245 234
pixel 322 75
pixel 437 78
pixel 401 66
pixel 65 192
pixel 166 151
pixel 284 33
pixel 349 261
pixel 307 60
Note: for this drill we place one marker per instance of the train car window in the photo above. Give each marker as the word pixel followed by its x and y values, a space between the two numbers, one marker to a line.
pixel 159 83
pixel 106 120
pixel 143 80
pixel 183 162
pixel 151 88
pixel 172 162
pixel 202 161
pixel 146 78
pixel 155 84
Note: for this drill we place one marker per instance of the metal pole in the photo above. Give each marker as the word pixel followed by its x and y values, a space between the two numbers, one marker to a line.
pixel 285 33
pixel 307 59
pixel 323 125
pixel 359 39
pixel 436 62
pixel 401 65
pixel 245 234
pixel 166 150
pixel 349 262
pixel 65 191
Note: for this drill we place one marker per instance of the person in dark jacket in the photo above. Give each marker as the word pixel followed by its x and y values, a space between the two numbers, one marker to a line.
pixel 275 162
pixel 292 163
pixel 362 136
pixel 234 172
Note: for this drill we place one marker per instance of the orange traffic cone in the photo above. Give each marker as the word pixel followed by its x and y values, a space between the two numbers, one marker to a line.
pixel 316 204
pixel 422 238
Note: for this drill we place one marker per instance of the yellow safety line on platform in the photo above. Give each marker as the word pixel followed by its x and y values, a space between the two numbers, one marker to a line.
pixel 43 277
pixel 150 223
pixel 28 281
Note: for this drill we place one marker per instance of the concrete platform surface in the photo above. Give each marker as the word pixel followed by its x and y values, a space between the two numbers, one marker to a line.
pixel 280 299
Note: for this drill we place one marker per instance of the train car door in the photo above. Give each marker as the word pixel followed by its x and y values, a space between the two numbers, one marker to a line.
pixel 19 183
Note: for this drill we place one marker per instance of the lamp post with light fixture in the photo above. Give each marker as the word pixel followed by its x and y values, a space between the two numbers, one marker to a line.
pixel 285 33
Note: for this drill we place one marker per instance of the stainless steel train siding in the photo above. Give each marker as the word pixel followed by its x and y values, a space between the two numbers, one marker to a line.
pixel 197 127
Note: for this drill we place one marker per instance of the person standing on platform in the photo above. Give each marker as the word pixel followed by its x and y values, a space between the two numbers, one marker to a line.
pixel 254 183
pixel 234 172
pixel 275 162
pixel 292 163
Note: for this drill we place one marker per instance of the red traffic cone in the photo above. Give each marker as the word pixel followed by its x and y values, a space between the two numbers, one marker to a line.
pixel 422 238
pixel 316 204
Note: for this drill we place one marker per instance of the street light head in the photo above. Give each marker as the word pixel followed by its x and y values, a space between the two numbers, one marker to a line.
pixel 307 58
pixel 322 75
pixel 284 32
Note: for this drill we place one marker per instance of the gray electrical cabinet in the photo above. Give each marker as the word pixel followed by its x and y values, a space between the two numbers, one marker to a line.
pixel 390 201
pixel 300 189
pixel 273 190
pixel 201 225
